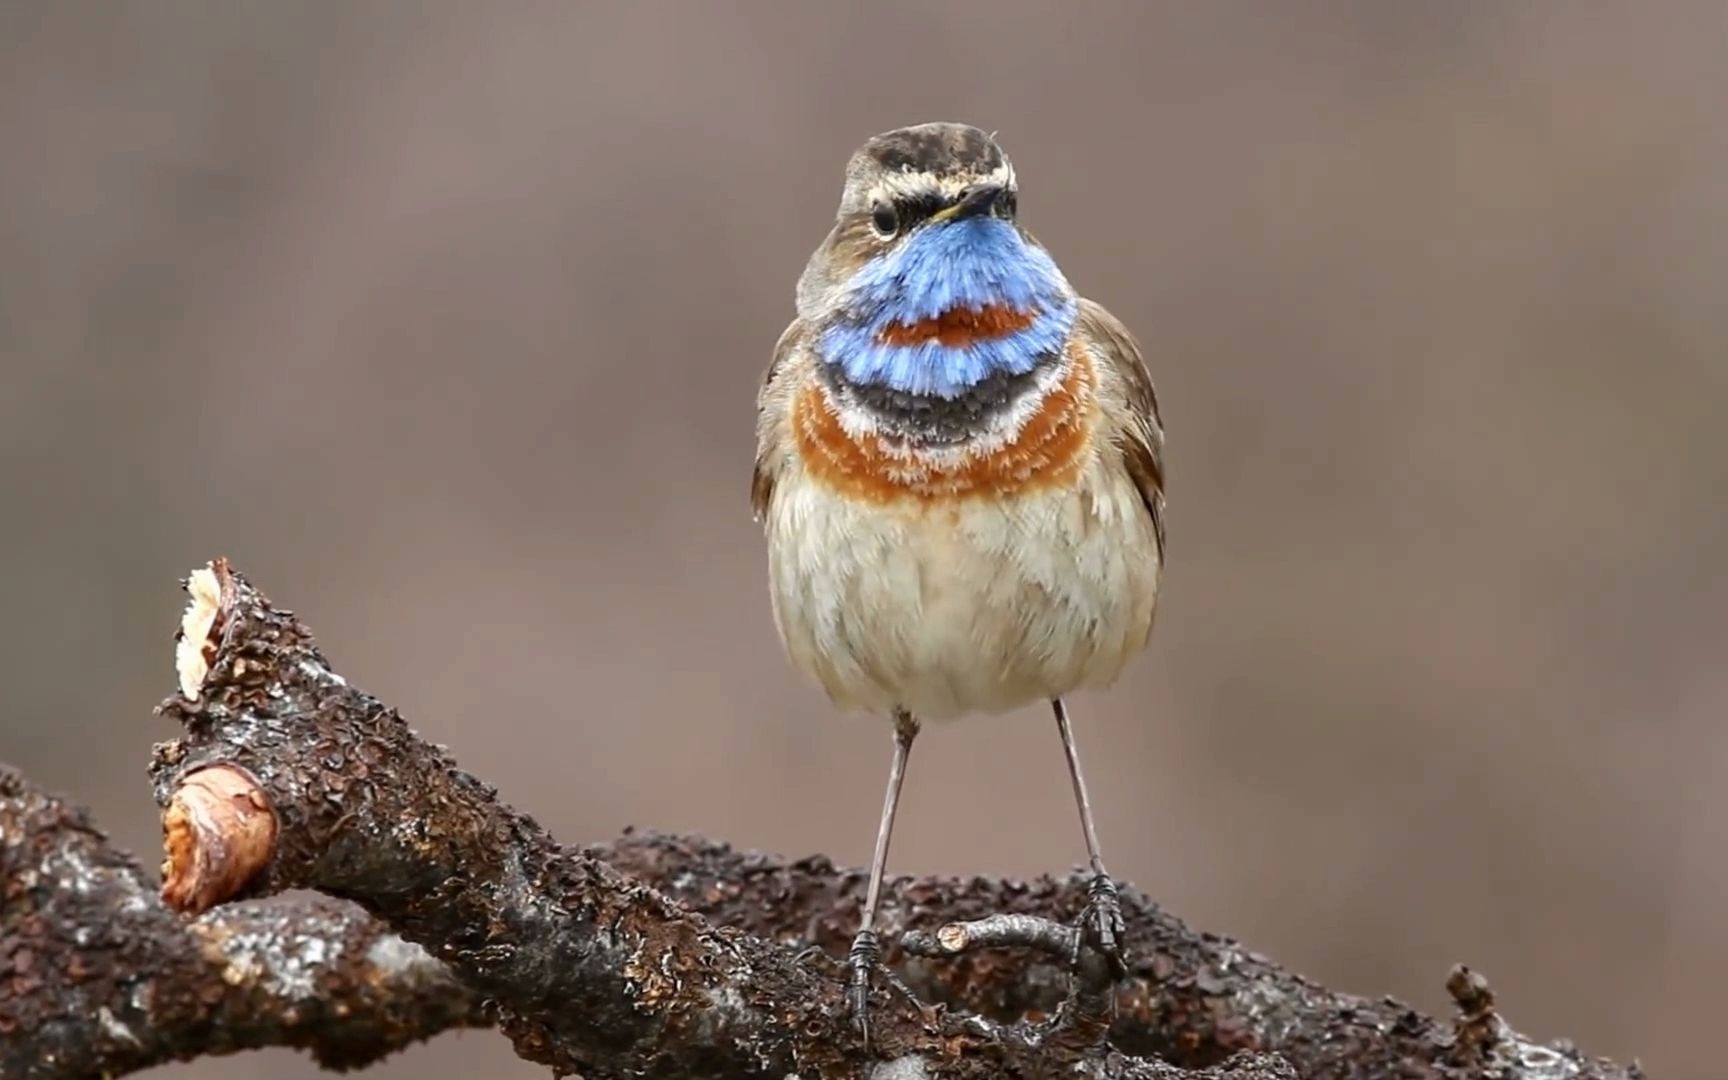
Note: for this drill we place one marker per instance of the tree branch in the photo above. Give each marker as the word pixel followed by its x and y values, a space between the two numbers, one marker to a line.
pixel 97 977
pixel 591 970
pixel 288 777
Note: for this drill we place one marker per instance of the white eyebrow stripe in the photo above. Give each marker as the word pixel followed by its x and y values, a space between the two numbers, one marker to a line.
pixel 905 186
pixel 897 187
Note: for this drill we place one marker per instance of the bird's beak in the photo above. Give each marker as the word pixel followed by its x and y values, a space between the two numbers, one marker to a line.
pixel 975 200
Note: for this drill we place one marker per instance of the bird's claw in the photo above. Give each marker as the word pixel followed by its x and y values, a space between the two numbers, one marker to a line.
pixel 1101 925
pixel 812 954
pixel 866 952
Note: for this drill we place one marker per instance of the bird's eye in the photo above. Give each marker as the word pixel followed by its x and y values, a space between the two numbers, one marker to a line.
pixel 885 219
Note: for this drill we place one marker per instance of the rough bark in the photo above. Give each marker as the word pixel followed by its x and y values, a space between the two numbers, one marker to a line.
pixel 1192 998
pixel 671 956
pixel 98 977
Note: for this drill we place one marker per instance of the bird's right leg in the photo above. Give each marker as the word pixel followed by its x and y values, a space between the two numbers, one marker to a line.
pixel 866 950
pixel 1102 919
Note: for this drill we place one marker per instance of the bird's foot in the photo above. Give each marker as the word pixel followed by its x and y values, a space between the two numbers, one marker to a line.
pixel 1101 925
pixel 862 960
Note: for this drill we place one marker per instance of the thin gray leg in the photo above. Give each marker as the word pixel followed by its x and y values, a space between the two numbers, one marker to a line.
pixel 1102 921
pixel 866 951
pixel 1080 797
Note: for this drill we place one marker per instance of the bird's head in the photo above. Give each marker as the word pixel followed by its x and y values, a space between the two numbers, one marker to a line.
pixel 927 285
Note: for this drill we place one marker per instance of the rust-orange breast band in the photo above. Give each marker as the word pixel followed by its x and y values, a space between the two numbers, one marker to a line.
pixel 1048 451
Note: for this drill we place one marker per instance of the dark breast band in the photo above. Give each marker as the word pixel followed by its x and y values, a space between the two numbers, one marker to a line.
pixel 935 421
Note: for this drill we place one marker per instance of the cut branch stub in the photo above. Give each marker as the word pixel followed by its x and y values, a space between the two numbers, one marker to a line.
pixel 210 590
pixel 219 833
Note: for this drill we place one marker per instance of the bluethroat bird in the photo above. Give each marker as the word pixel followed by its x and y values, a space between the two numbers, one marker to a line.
pixel 959 470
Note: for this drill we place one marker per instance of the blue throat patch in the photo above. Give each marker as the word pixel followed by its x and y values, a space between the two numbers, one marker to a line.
pixel 973 264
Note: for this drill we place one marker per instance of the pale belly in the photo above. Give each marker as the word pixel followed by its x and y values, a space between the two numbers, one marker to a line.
pixel 981 605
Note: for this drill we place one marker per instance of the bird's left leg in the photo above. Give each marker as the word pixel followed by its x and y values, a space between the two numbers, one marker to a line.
pixel 1101 923
pixel 866 950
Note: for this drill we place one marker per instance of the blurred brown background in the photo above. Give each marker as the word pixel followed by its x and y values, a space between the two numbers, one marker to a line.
pixel 444 321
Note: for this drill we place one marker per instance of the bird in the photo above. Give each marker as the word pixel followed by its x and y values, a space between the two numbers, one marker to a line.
pixel 959 474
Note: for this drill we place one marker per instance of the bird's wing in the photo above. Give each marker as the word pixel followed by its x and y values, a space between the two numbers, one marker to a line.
pixel 1142 437
pixel 762 479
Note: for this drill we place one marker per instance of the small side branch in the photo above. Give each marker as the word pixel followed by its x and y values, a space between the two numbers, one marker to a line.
pixel 1084 1018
